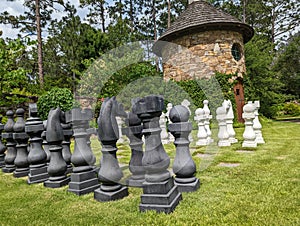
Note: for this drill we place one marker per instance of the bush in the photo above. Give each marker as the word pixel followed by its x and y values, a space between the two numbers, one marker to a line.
pixel 56 97
pixel 291 109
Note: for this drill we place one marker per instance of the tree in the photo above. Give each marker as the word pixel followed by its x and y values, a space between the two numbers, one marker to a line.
pixel 42 13
pixel 287 66
pixel 97 12
pixel 14 80
pixel 69 44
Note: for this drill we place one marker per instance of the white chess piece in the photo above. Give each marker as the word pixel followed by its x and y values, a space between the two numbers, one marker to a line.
pixel 201 135
pixel 208 117
pixel 249 134
pixel 163 134
pixel 169 107
pixel 222 134
pixel 120 125
pixel 187 104
pixel 229 122
pixel 257 125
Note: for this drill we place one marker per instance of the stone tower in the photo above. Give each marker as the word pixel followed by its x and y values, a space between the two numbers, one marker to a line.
pixel 207 40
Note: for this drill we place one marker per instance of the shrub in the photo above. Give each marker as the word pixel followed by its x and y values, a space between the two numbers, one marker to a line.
pixel 292 109
pixel 56 97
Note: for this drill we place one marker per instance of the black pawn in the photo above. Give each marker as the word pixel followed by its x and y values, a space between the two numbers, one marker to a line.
pixel 66 152
pixel 184 166
pixel 2 146
pixel 83 179
pixel 37 157
pixel 134 132
pixel 21 161
pixel 110 172
pixel 159 192
pixel 57 167
pixel 11 152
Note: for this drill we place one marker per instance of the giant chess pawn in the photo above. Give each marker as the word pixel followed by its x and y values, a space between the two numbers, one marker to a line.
pixel 229 121
pixel 37 157
pixel 184 166
pixel 21 160
pixel 208 117
pixel 159 191
pixel 83 179
pixel 11 152
pixel 2 146
pixel 134 132
pixel 223 134
pixel 202 134
pixel 110 172
pixel 257 125
pixel 187 104
pixel 249 134
pixel 54 134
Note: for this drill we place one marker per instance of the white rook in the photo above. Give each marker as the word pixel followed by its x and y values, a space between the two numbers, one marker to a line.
pixel 257 125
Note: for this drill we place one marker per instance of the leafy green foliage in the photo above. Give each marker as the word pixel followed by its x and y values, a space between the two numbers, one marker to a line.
pixel 56 97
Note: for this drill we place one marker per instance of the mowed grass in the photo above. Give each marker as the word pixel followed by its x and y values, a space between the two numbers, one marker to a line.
pixel 263 190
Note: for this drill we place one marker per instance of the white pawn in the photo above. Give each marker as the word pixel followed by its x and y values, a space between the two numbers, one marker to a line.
pixel 229 121
pixel 223 134
pixel 201 135
pixel 163 134
pixel 169 107
pixel 208 117
pixel 120 125
pixel 257 125
pixel 249 134
pixel 187 104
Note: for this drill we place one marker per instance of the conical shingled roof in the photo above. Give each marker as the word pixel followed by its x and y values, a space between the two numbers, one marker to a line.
pixel 202 16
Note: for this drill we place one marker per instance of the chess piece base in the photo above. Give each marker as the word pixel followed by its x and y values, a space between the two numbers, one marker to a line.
pixel 105 196
pixel 160 196
pixel 2 162
pixel 57 183
pixel 188 187
pixel 224 143
pixel 202 142
pixel 8 169
pixel 249 144
pixel 83 183
pixel 259 140
pixel 233 140
pixel 69 169
pixel 21 172
pixel 37 175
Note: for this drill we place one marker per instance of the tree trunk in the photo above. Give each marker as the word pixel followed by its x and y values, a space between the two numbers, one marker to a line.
pixel 102 14
pixel 169 13
pixel 39 39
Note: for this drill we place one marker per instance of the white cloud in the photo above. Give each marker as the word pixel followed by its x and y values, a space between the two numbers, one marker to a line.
pixel 16 8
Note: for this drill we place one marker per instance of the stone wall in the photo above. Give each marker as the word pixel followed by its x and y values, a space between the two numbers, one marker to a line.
pixel 202 54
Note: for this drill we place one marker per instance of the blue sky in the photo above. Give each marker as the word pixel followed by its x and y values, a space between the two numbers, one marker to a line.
pixel 16 8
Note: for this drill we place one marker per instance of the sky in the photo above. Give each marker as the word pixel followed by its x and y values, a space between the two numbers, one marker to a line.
pixel 16 8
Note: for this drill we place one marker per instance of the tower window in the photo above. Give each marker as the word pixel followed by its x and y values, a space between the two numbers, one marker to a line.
pixel 236 51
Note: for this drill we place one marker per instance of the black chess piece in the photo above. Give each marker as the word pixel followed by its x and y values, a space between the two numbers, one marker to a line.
pixel 11 152
pixel 45 143
pixel 37 157
pixel 134 132
pixel 83 178
pixel 110 172
pixel 2 146
pixel 184 166
pixel 159 192
pixel 66 151
pixel 19 135
pixel 54 134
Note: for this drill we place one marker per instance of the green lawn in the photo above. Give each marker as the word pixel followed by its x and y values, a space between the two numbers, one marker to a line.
pixel 263 190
